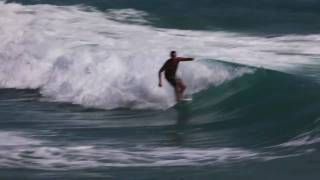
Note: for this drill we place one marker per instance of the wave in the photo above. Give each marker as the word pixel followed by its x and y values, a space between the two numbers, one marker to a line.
pixel 279 110
pixel 260 116
pixel 255 99
pixel 78 55
pixel 261 16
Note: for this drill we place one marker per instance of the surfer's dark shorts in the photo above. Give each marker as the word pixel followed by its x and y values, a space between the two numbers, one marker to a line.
pixel 173 81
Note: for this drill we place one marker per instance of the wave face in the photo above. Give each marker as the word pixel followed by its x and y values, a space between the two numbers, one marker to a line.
pixel 272 106
pixel 81 56
pixel 261 117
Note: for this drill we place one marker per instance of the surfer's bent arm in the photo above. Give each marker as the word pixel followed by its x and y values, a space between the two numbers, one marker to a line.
pixel 160 71
pixel 185 59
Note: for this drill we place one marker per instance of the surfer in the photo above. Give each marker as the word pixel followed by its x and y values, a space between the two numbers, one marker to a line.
pixel 170 67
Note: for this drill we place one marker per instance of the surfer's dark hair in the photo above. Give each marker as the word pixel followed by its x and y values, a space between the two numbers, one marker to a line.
pixel 172 52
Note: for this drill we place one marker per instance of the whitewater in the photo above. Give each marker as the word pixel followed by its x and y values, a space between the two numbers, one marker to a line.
pixel 111 59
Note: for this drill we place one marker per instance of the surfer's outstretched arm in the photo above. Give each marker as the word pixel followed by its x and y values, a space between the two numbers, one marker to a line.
pixel 185 59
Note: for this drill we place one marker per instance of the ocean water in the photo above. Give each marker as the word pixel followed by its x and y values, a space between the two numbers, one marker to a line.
pixel 79 95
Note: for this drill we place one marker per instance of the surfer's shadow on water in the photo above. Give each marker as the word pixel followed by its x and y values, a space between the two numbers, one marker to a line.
pixel 178 134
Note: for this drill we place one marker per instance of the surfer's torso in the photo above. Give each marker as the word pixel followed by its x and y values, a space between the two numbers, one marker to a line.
pixel 171 67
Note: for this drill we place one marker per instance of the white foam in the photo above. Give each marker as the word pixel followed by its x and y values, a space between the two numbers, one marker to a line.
pixel 301 140
pixel 8 138
pixel 127 16
pixel 50 156
pixel 85 57
pixel 20 149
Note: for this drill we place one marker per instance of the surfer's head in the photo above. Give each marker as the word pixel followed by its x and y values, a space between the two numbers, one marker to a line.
pixel 173 54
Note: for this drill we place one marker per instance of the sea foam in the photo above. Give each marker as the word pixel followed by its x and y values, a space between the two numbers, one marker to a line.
pixel 82 56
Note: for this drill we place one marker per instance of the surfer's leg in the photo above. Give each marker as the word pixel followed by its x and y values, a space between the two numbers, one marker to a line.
pixel 178 86
pixel 181 87
pixel 177 93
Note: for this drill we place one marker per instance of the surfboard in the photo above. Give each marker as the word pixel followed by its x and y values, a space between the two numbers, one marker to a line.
pixel 186 99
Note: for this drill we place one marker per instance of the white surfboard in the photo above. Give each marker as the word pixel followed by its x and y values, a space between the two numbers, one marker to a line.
pixel 186 100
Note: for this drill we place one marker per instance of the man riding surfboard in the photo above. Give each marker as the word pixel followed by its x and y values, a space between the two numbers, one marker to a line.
pixel 170 68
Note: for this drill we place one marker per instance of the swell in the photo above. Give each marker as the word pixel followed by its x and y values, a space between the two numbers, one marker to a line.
pixel 262 109
pixel 260 116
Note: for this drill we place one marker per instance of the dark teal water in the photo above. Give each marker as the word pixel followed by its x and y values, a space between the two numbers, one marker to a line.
pixel 79 96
